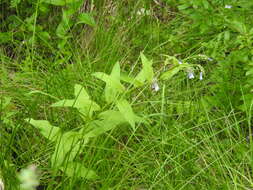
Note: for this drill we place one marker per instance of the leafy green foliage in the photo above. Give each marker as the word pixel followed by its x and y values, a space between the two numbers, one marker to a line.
pixel 109 80
pixel 126 110
pixel 198 101
pixel 45 128
pixel 78 170
pixel 68 145
pixel 147 73
pixel 113 86
pixel 85 18
pixel 81 102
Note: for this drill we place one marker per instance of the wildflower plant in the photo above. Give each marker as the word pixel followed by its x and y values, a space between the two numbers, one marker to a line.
pixel 69 145
pixel 175 66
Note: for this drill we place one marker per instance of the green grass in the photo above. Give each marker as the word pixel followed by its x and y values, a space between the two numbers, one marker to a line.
pixel 185 144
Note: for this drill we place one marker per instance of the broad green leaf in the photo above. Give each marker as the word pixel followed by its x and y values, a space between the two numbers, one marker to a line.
pixel 112 116
pixel 66 148
pixel 111 92
pixel 147 68
pixel 47 130
pixel 126 110
pixel 97 127
pixel 170 73
pixel 62 30
pixel 116 71
pixel 117 117
pixel 114 83
pixel 110 119
pixel 81 92
pixel 147 73
pixel 64 103
pixel 65 24
pixel 85 106
pixel 82 102
pixel 75 169
pixel 44 36
pixel 130 80
pixel 60 2
pixel 85 18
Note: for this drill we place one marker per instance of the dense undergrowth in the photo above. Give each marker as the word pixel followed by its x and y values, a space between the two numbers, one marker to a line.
pixel 145 94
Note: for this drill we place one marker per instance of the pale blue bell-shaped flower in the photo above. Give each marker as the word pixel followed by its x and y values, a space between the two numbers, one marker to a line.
pixel 190 75
pixel 155 85
pixel 201 76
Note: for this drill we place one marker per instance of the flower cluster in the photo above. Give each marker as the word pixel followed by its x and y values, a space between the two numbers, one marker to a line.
pixel 190 71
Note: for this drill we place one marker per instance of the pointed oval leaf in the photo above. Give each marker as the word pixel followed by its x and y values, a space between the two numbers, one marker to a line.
pixel 110 92
pixel 147 68
pixel 81 92
pixel 47 130
pixel 112 116
pixel 147 73
pixel 126 110
pixel 67 147
pixel 78 170
pixel 85 18
pixel 97 127
pixel 170 73
pixel 130 80
pixel 64 103
pixel 114 83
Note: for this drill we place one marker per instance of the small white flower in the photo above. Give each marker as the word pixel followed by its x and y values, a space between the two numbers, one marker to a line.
pixel 155 85
pixel 201 76
pixel 228 6
pixel 180 62
pixel 1 184
pixel 210 59
pixel 29 178
pixel 143 11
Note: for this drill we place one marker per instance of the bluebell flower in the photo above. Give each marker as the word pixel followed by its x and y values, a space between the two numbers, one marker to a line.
pixel 155 85
pixel 190 74
pixel 201 75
